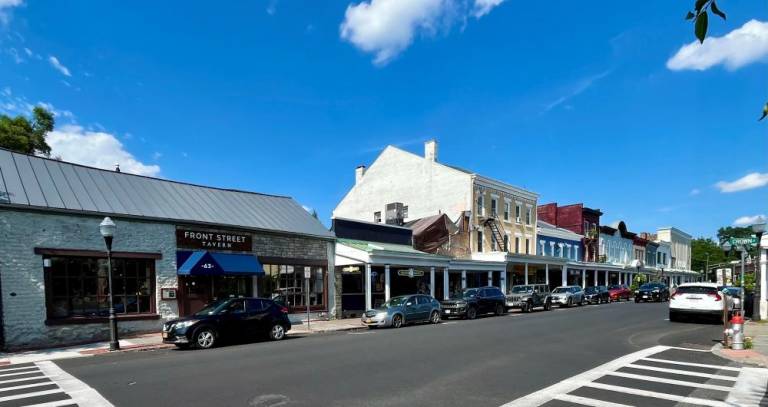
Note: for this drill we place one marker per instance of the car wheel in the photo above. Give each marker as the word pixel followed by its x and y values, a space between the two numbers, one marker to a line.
pixel 277 332
pixel 499 311
pixel 673 317
pixel 569 303
pixel 525 307
pixel 397 321
pixel 435 317
pixel 548 306
pixel 471 313
pixel 205 338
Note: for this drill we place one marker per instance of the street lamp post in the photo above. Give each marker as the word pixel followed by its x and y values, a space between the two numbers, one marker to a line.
pixel 761 310
pixel 107 229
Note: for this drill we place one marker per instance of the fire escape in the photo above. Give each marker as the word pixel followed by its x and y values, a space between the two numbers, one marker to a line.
pixel 497 231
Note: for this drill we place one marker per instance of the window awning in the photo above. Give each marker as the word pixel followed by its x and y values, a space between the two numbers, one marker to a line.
pixel 214 264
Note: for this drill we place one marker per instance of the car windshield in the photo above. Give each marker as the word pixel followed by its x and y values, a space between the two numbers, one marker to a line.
pixel 649 286
pixel 467 294
pixel 521 289
pixel 591 290
pixel 395 302
pixel 212 308
pixel 560 290
pixel 696 290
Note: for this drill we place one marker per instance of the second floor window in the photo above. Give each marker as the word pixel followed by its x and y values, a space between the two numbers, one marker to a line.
pixel 528 216
pixel 405 212
pixel 506 243
pixel 527 246
pixel 480 205
pixel 517 245
pixel 506 210
pixel 479 241
pixel 586 228
pixel 377 217
pixel 517 213
pixel 494 211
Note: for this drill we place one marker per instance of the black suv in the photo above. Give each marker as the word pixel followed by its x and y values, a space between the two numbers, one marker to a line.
pixel 528 297
pixel 652 292
pixel 233 320
pixel 597 294
pixel 474 301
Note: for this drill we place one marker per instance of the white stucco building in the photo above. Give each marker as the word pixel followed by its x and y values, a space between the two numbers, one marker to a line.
pixel 680 247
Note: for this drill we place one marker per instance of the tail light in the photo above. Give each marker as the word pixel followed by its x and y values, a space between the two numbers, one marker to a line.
pixel 284 310
pixel 716 295
pixel 673 296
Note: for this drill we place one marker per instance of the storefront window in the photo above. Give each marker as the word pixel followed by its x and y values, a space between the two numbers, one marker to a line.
pixel 78 287
pixel 286 284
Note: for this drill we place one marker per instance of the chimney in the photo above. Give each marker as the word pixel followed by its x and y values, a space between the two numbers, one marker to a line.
pixel 359 172
pixel 430 150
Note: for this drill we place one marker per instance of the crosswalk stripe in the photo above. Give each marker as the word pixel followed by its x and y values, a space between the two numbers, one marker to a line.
pixel 57 403
pixel 675 362
pixel 26 386
pixel 681 372
pixel 19 368
pixel 82 394
pixel 663 396
pixel 690 349
pixel 41 376
pixel 18 373
pixel 28 395
pixel 587 401
pixel 670 381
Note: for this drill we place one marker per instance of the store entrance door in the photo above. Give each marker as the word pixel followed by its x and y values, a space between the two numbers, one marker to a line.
pixel 198 291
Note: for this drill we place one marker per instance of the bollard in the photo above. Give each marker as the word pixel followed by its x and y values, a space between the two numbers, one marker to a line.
pixel 737 324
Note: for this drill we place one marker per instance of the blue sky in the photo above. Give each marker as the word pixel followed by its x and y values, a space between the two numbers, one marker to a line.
pixel 577 101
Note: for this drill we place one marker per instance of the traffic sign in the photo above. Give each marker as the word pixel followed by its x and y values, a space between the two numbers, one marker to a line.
pixel 743 241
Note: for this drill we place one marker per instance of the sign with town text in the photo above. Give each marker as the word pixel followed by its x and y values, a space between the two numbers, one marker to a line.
pixel 743 241
pixel 208 240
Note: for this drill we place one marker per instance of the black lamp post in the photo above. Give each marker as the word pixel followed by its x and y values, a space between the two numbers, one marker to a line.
pixel 107 229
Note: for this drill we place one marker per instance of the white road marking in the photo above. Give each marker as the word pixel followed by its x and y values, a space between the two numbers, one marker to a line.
pixel 26 386
pixel 28 395
pixel 82 394
pixel 674 362
pixel 570 384
pixel 690 349
pixel 664 396
pixel 18 368
pixel 18 373
pixel 57 403
pixel 587 401
pixel 750 388
pixel 670 381
pixel 22 380
pixel 682 372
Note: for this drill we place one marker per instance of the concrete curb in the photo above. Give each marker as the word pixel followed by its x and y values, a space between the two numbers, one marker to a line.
pixel 327 331
pixel 747 356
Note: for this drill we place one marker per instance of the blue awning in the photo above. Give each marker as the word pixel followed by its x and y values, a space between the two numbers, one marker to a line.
pixel 214 264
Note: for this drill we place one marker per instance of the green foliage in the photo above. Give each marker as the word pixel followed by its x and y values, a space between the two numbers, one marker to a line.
pixel 703 249
pixel 637 282
pixel 21 135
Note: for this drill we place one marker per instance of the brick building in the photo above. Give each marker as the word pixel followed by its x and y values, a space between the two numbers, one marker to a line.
pixel 177 247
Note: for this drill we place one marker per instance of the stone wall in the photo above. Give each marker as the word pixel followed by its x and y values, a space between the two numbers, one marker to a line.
pixel 22 276
pixel 292 247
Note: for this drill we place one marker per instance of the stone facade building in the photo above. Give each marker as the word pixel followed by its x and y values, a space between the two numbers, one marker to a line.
pixel 172 251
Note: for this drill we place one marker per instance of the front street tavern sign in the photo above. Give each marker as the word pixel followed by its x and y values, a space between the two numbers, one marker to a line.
pixel 203 239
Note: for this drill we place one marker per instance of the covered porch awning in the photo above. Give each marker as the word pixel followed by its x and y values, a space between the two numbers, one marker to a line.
pixel 195 263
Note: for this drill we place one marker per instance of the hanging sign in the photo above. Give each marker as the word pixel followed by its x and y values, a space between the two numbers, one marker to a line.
pixel 410 273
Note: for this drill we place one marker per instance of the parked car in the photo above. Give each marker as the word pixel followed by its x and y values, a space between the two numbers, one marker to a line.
pixel 472 302
pixel 568 296
pixel 696 299
pixel 528 297
pixel 229 320
pixel 597 294
pixel 620 292
pixel 403 310
pixel 652 292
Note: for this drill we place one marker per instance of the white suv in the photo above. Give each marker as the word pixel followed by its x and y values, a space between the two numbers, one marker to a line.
pixel 696 299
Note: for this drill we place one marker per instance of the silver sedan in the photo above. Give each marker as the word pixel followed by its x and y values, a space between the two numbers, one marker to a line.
pixel 402 310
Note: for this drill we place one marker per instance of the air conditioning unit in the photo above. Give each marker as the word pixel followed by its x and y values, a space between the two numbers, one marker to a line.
pixel 517 219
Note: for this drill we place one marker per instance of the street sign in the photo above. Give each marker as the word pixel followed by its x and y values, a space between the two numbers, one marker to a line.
pixel 743 241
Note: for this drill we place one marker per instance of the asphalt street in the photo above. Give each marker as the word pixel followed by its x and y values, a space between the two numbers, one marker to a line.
pixel 486 362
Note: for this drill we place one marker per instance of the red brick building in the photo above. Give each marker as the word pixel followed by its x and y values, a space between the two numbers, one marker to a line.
pixel 578 219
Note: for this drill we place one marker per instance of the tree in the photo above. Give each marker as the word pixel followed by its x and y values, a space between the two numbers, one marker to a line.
pixel 700 19
pixel 705 252
pixel 637 282
pixel 21 135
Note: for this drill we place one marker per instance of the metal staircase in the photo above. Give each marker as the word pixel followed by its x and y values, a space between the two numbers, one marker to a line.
pixel 497 231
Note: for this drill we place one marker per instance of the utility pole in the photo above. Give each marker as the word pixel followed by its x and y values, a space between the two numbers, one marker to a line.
pixel 707 273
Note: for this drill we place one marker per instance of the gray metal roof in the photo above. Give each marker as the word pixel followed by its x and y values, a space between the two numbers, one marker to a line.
pixel 35 182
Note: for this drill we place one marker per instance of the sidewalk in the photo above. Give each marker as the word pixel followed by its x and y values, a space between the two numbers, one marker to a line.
pixel 154 341
pixel 758 355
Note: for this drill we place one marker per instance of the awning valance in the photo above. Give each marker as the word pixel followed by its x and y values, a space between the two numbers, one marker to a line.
pixel 214 263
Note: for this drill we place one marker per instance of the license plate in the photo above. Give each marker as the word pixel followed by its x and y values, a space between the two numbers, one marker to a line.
pixel 694 298
pixel 645 296
pixel 447 311
pixel 165 335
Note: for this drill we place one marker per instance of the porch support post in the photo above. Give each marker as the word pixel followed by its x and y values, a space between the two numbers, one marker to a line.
pixel 432 281
pixel 368 303
pixel 490 278
pixel 526 273
pixel 446 287
pixel 463 279
pixel 503 281
pixel 386 283
pixel 563 275
pixel 546 272
pixel 596 284
pixel 606 278
pixel 583 278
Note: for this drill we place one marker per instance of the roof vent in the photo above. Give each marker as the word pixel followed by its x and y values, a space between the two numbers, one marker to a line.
pixel 117 167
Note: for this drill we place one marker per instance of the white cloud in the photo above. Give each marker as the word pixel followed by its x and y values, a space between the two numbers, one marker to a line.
pixel 749 220
pixel 695 192
pixel 96 149
pixel 57 112
pixel 59 66
pixel 386 28
pixel 577 89
pixel 483 7
pixel 749 181
pixel 157 155
pixel 5 6
pixel 738 48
